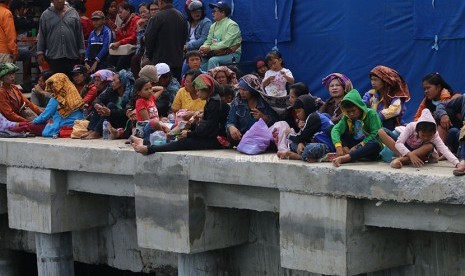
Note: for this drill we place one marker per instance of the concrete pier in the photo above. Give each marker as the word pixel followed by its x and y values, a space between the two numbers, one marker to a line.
pixel 54 254
pixel 222 213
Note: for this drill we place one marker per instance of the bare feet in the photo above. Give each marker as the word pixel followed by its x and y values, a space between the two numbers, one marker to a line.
pixel 341 160
pixel 138 145
pixel 396 163
pixel 85 134
pixel 288 155
pixel 114 134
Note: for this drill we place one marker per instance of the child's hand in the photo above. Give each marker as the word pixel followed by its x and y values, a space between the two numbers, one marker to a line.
pixel 301 124
pixel 415 160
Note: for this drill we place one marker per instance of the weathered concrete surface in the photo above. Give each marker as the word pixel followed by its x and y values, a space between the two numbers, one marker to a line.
pixel 434 217
pixel 172 214
pixel 54 254
pixel 326 235
pixel 204 203
pixel 38 201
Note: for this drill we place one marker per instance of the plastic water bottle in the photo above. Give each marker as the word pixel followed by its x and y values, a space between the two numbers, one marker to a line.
pixel 105 130
pixel 85 111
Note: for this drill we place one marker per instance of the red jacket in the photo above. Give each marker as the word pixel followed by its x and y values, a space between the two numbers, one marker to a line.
pixel 11 103
pixel 127 34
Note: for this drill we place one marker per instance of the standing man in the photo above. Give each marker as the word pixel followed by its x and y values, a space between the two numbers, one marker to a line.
pixel 60 38
pixel 8 45
pixel 165 37
pixel 223 44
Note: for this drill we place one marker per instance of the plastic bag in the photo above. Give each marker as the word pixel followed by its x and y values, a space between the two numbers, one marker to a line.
pixel 256 140
pixel 278 131
pixel 158 138
pixel 79 128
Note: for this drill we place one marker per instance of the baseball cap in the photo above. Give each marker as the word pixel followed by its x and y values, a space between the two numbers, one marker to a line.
pixel 97 15
pixel 79 69
pixel 162 68
pixel 222 6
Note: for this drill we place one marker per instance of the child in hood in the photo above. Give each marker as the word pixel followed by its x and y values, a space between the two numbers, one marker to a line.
pixel 416 142
pixel 312 142
pixel 356 135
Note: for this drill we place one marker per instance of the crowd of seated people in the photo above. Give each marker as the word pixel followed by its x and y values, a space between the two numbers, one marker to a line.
pixel 209 104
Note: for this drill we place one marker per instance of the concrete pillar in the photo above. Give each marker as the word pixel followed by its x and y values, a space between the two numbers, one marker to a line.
pixel 55 254
pixel 200 264
pixel 8 267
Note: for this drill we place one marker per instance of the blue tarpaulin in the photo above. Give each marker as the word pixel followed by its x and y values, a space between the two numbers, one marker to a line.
pixel 318 37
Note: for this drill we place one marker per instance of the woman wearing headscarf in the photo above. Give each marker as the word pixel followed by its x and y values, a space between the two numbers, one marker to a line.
pixel 113 104
pixel 248 109
pixel 338 85
pixel 388 96
pixel 12 101
pixel 63 108
pixel 203 129
pixel 223 75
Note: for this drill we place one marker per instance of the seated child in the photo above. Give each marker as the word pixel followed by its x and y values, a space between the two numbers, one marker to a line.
pixel 274 82
pixel 146 109
pixel 227 94
pixel 356 135
pixel 417 142
pixel 312 142
pixel 193 61
pixel 203 132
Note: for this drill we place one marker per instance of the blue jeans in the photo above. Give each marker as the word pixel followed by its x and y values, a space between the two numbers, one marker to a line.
pixel 369 151
pixel 452 139
pixel 312 150
pixel 220 60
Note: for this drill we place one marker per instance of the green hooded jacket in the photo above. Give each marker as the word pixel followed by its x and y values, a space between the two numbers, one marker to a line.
pixel 371 123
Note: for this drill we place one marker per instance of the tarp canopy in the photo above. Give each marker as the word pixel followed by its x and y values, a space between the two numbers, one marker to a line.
pixel 317 37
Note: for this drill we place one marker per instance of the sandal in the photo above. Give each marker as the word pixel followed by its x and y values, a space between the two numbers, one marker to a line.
pixel 458 172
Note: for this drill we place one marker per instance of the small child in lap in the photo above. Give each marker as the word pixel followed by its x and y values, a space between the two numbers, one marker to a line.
pixel 312 142
pixel 416 142
pixel 356 135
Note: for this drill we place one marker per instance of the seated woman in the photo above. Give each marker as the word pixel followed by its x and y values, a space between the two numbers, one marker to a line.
pixel 223 75
pixel 81 81
pixel 248 109
pixel 388 96
pixel 63 108
pixel 126 34
pixel 39 96
pixel 202 133
pixel 437 91
pixel 187 102
pixel 223 44
pixel 12 101
pixel 114 105
pixel 338 85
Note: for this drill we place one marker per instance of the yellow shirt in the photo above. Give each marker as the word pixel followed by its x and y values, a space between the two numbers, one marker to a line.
pixel 183 100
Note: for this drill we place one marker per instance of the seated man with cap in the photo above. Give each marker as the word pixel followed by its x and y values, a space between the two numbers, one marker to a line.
pixel 98 43
pixel 223 44
pixel 170 86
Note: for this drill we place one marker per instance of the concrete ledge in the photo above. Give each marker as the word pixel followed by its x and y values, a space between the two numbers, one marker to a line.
pixel 99 183
pixel 427 217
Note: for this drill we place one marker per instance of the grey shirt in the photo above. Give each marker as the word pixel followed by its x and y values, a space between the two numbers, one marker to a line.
pixel 60 37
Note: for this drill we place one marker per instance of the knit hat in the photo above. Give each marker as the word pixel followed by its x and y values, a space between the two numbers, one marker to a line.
pixel 149 72
pixel 7 68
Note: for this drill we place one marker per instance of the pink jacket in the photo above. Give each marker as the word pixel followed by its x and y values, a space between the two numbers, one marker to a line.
pixel 410 137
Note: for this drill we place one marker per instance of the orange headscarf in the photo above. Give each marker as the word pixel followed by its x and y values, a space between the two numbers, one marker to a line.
pixel 397 87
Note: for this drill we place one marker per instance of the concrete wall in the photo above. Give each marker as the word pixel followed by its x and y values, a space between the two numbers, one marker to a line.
pixel 221 213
